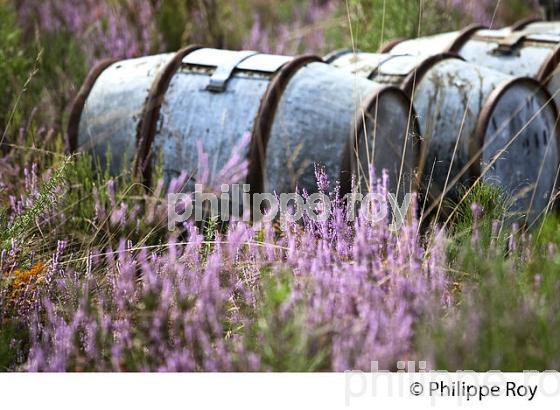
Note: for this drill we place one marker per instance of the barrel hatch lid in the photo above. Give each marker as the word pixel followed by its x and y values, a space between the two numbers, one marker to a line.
pixel 212 57
pixel 509 38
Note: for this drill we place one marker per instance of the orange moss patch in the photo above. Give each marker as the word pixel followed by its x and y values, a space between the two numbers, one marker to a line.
pixel 22 283
pixel 24 278
pixel 20 280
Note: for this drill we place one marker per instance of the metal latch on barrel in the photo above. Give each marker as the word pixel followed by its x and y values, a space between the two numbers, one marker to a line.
pixel 507 44
pixel 223 73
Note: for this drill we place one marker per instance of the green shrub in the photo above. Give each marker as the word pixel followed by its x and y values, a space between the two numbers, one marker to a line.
pixel 15 65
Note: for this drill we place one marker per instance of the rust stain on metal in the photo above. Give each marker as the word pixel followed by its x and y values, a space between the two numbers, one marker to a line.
pixel 549 66
pixel 333 55
pixel 390 44
pixel 463 36
pixel 521 24
pixel 148 122
pixel 265 119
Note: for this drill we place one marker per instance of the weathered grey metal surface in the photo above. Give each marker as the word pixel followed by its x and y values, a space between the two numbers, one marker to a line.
pixel 518 54
pixel 316 120
pixel 361 64
pixel 313 122
pixel 435 44
pixel 215 97
pixel 520 147
pixel 192 114
pixel 532 51
pixel 113 108
pixel 458 105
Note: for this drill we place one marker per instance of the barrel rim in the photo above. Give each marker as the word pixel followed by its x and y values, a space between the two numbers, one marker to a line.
pixel 79 102
pixel 476 144
pixel 348 162
pixel 336 54
pixel 408 85
pixel 463 36
pixel 147 126
pixel 549 66
pixel 388 45
pixel 523 23
pixel 264 120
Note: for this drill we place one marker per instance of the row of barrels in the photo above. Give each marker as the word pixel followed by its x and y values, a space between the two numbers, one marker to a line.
pixel 438 113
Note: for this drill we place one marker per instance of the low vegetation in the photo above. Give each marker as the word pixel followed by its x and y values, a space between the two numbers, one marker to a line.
pixel 91 280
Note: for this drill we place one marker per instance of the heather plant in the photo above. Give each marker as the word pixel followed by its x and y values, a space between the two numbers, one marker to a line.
pixel 90 278
pixel 249 298
pixel 311 297
pixel 70 36
pixel 107 28
pixel 64 207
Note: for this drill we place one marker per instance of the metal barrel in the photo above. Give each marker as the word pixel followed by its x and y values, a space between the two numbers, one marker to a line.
pixel 524 23
pixel 439 43
pixel 538 27
pixel 298 112
pixel 527 49
pixel 106 114
pixel 476 123
pixel 453 41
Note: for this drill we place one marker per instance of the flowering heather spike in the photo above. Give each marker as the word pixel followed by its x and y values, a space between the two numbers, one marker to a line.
pixel 103 28
pixel 235 170
pixel 203 176
pixel 322 178
pixel 111 191
pixel 353 289
pixel 177 184
pixel 54 266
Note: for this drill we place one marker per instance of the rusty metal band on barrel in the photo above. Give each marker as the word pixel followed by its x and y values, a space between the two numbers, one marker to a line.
pixel 150 114
pixel 265 118
pixel 410 81
pixel 464 35
pixel 348 163
pixel 476 144
pixel 549 66
pixel 391 44
pixel 521 24
pixel 79 102
pixel 336 54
